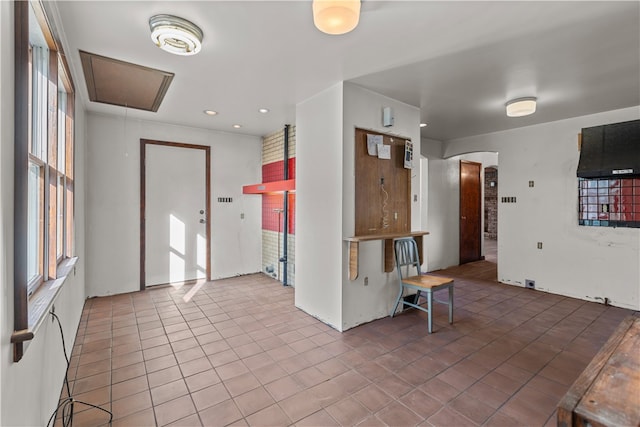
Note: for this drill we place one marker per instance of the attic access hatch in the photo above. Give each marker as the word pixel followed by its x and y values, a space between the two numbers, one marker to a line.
pixel 115 82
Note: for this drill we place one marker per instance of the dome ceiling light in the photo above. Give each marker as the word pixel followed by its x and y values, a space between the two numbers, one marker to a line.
pixel 521 107
pixel 336 17
pixel 175 35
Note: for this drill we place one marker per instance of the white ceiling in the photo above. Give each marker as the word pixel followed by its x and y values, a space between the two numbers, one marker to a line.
pixel 458 61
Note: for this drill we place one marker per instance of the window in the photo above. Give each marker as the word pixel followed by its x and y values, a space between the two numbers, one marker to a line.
pixel 39 62
pixel 44 119
pixel 34 234
pixel 61 172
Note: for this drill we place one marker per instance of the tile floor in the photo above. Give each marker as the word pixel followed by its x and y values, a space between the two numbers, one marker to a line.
pixel 491 250
pixel 237 351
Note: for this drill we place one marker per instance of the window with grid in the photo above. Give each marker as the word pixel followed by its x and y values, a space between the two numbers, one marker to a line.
pixel 44 120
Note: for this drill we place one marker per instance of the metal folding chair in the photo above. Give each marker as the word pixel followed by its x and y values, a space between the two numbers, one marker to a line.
pixel 406 252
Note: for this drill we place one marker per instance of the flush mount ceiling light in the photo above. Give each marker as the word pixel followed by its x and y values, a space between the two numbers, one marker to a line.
pixel 423 125
pixel 237 126
pixel 521 107
pixel 336 16
pixel 210 112
pixel 264 110
pixel 175 35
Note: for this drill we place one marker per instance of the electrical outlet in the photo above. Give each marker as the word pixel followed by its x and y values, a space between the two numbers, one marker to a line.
pixel 539 245
pixel 530 284
pixel 241 216
pixel 531 184
pixel 366 281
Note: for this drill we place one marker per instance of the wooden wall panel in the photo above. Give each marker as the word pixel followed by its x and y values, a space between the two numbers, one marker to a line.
pixel 372 174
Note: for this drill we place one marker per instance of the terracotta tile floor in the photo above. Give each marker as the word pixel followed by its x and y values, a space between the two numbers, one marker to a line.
pixel 238 352
pixel 491 250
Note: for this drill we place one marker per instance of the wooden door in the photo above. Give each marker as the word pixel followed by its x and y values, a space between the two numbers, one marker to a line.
pixel 470 212
pixel 175 227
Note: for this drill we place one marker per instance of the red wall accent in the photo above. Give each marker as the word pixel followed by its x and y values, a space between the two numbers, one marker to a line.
pixel 275 171
pixel 270 219
pixel 292 213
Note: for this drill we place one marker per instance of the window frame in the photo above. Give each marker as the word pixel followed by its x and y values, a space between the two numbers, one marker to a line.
pixel 55 257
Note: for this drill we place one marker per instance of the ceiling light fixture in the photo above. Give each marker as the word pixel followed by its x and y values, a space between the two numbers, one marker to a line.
pixel 423 125
pixel 237 126
pixel 336 16
pixel 210 112
pixel 521 107
pixel 264 110
pixel 175 35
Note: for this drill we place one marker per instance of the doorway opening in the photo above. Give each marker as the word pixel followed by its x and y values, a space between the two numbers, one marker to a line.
pixel 479 171
pixel 470 211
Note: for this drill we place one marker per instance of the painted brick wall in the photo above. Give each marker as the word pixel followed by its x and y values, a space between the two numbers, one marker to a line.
pixel 491 204
pixel 272 205
pixel 270 253
pixel 272 146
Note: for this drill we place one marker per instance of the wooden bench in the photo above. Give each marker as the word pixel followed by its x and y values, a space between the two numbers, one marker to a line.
pixel 607 393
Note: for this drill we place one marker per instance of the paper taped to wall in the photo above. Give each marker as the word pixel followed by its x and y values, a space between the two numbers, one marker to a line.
pixel 372 144
pixel 384 151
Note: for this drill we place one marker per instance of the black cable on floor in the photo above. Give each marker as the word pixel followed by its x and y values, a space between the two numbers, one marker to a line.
pixel 67 404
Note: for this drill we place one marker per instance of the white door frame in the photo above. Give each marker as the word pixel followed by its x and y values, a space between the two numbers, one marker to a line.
pixel 207 151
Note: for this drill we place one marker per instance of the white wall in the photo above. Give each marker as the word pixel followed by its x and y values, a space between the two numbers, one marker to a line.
pixel 29 389
pixel 442 198
pixel 363 109
pixel 325 197
pixel 319 163
pixel 590 263
pixel 113 200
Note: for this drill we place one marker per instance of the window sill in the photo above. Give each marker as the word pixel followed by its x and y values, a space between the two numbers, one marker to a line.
pixel 42 300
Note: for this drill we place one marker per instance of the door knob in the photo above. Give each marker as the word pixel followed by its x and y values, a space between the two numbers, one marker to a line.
pixel 203 221
pixel 201 211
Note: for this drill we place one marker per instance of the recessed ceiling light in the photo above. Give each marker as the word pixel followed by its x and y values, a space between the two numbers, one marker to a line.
pixel 237 126
pixel 423 125
pixel 264 110
pixel 521 107
pixel 210 112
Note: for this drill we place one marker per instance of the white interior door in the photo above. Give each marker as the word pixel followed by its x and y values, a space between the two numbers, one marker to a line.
pixel 175 214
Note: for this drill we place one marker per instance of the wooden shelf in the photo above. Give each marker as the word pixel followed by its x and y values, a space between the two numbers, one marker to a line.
pixel 389 257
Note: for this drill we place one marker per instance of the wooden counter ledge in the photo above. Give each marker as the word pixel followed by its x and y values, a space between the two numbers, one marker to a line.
pixel 389 261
